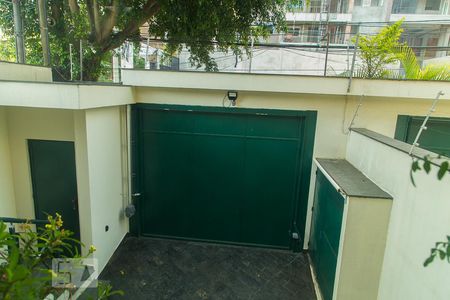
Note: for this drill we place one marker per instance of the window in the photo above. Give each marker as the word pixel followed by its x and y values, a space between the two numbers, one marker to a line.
pixel 432 42
pixel 436 138
pixel 312 32
pixel 404 6
pixel 294 31
pixel 376 2
pixel 432 4
pixel 358 2
pixel 314 6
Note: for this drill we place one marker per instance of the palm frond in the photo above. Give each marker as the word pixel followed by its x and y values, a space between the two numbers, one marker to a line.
pixel 413 70
pixel 436 72
pixel 409 62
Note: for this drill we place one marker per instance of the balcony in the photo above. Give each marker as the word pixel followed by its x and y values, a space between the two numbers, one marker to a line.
pixel 435 19
pixel 316 17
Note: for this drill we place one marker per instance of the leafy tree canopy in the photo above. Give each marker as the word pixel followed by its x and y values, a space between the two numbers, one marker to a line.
pixel 201 25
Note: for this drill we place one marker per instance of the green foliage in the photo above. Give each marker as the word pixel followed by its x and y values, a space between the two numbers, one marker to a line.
pixel 297 5
pixel 139 62
pixel 105 290
pixel 441 250
pixel 414 71
pixel 25 260
pixel 378 51
pixel 7 49
pixel 384 48
pixel 202 26
pixel 64 29
pixel 425 164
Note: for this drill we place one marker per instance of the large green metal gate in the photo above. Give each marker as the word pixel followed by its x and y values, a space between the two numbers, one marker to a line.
pixel 227 175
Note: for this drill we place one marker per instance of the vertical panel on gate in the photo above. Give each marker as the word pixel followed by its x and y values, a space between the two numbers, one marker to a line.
pixel 325 233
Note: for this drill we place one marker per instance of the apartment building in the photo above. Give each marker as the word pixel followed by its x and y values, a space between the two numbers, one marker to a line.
pixel 302 49
pixel 426 22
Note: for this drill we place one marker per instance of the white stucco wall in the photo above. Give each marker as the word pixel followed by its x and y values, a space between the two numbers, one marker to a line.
pixel 33 123
pixel 105 181
pixel 7 198
pixel 82 169
pixel 22 72
pixel 366 224
pixel 419 218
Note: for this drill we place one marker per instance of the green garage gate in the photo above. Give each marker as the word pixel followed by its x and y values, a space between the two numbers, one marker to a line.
pixel 228 175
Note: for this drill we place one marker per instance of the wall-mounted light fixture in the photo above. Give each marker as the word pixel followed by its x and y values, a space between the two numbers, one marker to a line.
pixel 232 96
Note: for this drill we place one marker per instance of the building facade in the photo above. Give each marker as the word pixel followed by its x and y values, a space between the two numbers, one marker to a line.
pixel 302 49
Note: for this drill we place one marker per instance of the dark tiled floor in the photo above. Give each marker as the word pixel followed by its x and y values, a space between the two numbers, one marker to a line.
pixel 168 269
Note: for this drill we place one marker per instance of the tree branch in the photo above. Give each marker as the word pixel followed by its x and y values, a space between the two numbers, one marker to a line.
pixel 109 20
pixel 97 23
pixel 150 8
pixel 73 6
pixel 90 11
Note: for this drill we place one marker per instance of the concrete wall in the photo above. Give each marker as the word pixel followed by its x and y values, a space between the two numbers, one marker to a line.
pixel 104 158
pixel 82 169
pixel 278 60
pixel 419 218
pixel 7 198
pixel 63 95
pixel 33 123
pixel 362 252
pixel 334 114
pixel 21 72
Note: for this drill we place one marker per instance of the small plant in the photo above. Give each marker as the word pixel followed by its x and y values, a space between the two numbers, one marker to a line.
pixel 25 260
pixel 378 51
pixel 105 290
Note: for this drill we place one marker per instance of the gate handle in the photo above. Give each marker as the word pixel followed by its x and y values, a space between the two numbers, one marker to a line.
pixel 74 203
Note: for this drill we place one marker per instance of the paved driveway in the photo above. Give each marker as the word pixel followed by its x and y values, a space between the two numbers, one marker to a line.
pixel 147 268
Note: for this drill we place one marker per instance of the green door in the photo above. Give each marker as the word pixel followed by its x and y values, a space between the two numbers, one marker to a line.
pixel 325 233
pixel 226 175
pixel 54 181
pixel 436 138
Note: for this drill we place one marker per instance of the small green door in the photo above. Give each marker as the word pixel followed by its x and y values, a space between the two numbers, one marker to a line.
pixel 54 181
pixel 325 233
pixel 227 175
pixel 435 138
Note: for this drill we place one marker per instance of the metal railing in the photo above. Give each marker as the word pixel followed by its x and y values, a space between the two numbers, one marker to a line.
pixel 11 221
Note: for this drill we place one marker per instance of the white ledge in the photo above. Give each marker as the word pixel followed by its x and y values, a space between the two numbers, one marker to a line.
pixel 286 84
pixel 62 95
